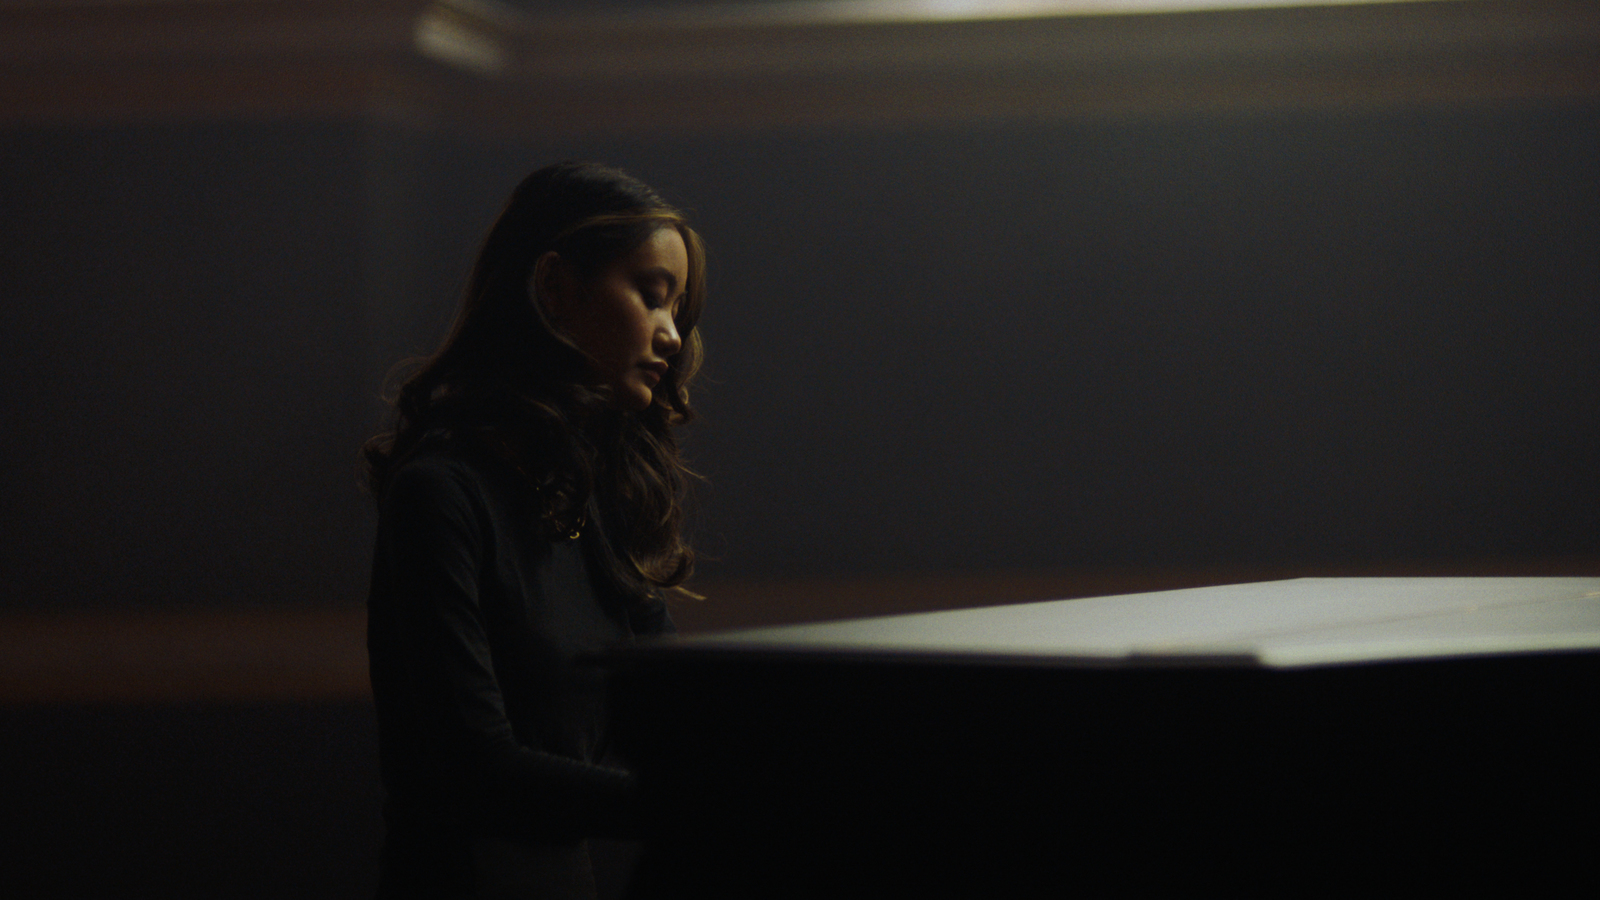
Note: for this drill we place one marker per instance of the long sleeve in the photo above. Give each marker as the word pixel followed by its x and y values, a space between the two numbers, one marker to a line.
pixel 466 624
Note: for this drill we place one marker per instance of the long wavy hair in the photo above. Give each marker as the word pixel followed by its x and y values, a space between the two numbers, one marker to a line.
pixel 506 381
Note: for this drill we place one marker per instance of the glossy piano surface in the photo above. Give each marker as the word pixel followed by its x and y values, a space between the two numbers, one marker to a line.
pixel 1308 736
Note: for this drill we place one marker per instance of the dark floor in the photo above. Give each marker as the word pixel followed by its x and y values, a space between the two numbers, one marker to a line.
pixel 236 800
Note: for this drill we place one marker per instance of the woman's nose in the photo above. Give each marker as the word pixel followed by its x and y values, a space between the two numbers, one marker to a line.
pixel 667 341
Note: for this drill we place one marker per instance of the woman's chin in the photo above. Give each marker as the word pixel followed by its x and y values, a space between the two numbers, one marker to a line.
pixel 634 397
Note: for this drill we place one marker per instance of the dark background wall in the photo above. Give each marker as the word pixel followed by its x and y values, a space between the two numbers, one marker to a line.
pixel 182 319
pixel 1292 338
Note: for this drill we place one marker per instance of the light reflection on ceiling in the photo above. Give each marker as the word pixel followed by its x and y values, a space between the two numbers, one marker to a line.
pixel 842 11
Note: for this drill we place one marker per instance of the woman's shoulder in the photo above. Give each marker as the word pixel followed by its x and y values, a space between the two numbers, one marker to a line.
pixel 435 457
pixel 440 469
pixel 446 469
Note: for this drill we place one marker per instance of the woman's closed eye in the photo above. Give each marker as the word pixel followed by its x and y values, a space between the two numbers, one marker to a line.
pixel 652 293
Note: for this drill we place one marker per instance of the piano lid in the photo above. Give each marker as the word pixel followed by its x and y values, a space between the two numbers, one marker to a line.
pixel 1278 624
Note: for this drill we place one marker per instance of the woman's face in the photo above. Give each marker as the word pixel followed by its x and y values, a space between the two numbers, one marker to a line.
pixel 623 317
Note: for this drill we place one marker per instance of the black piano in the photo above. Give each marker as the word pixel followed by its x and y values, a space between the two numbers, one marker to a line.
pixel 1313 736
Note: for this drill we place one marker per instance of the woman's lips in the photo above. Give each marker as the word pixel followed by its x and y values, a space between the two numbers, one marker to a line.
pixel 654 371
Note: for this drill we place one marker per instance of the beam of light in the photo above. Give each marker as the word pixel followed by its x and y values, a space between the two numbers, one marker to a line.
pixel 845 11
pixel 468 34
pixel 445 34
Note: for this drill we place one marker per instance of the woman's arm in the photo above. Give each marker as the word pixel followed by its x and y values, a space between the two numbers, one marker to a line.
pixel 439 701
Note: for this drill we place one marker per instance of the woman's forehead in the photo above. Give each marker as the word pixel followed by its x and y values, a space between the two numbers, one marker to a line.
pixel 663 250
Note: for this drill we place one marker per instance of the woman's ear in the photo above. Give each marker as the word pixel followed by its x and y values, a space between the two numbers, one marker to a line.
pixel 548 287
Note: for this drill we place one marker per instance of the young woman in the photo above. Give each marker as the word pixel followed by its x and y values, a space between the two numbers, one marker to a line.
pixel 530 499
